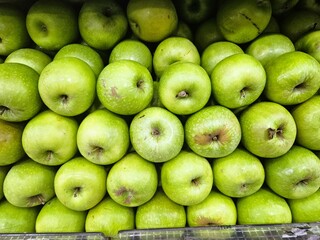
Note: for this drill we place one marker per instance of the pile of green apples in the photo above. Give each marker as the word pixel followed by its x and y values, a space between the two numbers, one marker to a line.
pixel 143 114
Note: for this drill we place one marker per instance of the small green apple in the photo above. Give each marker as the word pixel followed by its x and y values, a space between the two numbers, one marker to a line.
pixel 3 173
pixel 309 43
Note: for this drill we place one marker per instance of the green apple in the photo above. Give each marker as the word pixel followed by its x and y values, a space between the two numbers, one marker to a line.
pixel 132 49
pixel 184 88
pixel 263 207
pixel 102 24
pixel 238 80
pixel 67 86
pixel 312 5
pixel 183 30
pixel 242 21
pixel 55 150
pixel 80 184
pixel 267 47
pixel 187 179
pixel 31 57
pixel 238 174
pixel 160 212
pixel 152 20
pixel 110 217
pixel 19 96
pixel 84 53
pixel 216 52
pixel 294 175
pixel 306 116
pixel 17 220
pixel 103 137
pixel 13 31
pixel 280 7
pixel 215 209
pixel 3 173
pixel 11 149
pixel 268 129
pixel 156 134
pixel 292 78
pixel 171 50
pixel 305 209
pixel 273 26
pixel 51 24
pixel 213 132
pixel 309 43
pixel 132 181
pixel 125 87
pixel 55 217
pixel 29 183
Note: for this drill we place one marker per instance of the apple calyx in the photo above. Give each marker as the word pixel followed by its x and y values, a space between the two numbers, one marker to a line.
pixel 43 27
pixel 3 109
pixel 49 154
pixel 195 181
pixel 155 132
pixel 243 92
pixel 208 138
pixel 272 133
pixel 303 182
pixel 204 221
pixel 97 150
pixel 36 200
pixel 127 193
pixel 182 94
pixel 76 191
pixel 64 99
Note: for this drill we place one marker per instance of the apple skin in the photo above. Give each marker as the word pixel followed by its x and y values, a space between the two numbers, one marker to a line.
pixel 156 134
pixel 283 6
pixel 292 78
pixel 29 184
pixel 213 131
pixel 268 129
pixel 19 96
pixel 183 30
pixel 103 137
pixel 3 173
pixel 55 217
pixel 187 179
pixel 67 86
pixel 125 87
pixel 263 207
pixel 294 175
pixel 309 43
pixel 216 209
pixel 102 24
pixel 132 181
pixel 312 5
pixel 80 184
pixel 160 212
pixel 109 218
pixel 11 142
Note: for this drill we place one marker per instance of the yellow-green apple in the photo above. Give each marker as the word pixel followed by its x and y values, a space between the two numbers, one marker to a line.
pixel 109 217
pixel 52 24
pixel 132 181
pixel 238 174
pixel 11 149
pixel 187 179
pixel 183 30
pixel 160 212
pixel 55 217
pixel 280 7
pixel 184 88
pixel 102 24
pixel 242 21
pixel 263 207
pixel 214 131
pixel 172 50
pixel 55 150
pixel 19 95
pixel 125 87
pixel 295 174
pixel 215 209
pixel 13 31
pixel 292 78
pixel 152 20
pixel 268 129
pixel 309 43
pixel 80 184
pixel 29 183
pixel 3 173
pixel 238 80
pixel 15 219
pixel 67 86
pixel 103 137
pixel 156 134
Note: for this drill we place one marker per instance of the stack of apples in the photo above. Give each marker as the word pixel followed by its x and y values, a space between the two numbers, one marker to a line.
pixel 139 114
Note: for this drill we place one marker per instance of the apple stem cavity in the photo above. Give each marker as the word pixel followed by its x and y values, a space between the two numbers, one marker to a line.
pixel 36 200
pixel 140 84
pixel 182 94
pixel 206 138
pixel 3 109
pixel 64 98
pixel 76 191
pixel 275 132
pixel 195 181
pixel 49 155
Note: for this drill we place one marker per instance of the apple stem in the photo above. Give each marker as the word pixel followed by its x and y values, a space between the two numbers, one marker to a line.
pixel 76 191
pixel 182 94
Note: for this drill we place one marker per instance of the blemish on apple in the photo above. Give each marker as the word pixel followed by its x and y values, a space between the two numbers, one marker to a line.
pixel 114 92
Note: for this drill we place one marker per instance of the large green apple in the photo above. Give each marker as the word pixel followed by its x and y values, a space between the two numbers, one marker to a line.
pixel 309 43
pixel 213 132
pixel 268 129
pixel 187 179
pixel 132 181
pixel 19 96
pixel 102 24
pixel 103 137
pixel 295 174
pixel 3 173
pixel 160 212
pixel 29 183
pixel 55 217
